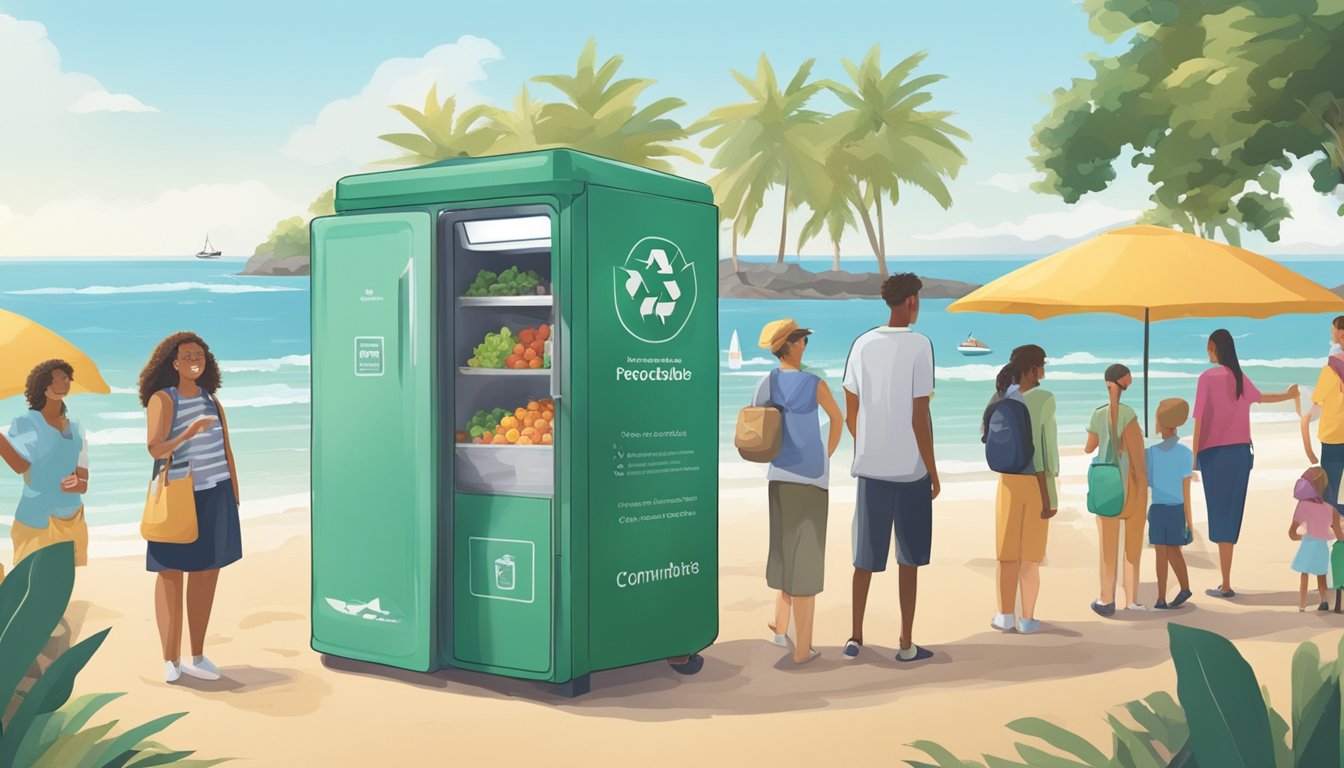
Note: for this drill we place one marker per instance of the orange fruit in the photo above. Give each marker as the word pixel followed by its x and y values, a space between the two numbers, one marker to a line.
pixel 508 422
pixel 534 363
pixel 546 439
pixel 544 332
pixel 524 440
pixel 531 432
pixel 520 414
pixel 512 436
pixel 498 440
pixel 533 405
pixel 529 353
pixel 527 335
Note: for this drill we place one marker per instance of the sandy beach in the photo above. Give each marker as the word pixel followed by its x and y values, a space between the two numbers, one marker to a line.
pixel 281 704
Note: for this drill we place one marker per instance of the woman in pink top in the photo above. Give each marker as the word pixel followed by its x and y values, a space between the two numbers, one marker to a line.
pixel 1222 445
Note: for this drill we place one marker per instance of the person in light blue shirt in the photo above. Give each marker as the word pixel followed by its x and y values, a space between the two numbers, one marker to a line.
pixel 51 453
pixel 1169 523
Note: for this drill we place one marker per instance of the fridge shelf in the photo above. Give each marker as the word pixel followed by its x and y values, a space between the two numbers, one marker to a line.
pixel 506 469
pixel 506 301
pixel 469 371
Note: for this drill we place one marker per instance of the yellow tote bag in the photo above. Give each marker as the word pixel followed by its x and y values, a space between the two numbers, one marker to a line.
pixel 170 509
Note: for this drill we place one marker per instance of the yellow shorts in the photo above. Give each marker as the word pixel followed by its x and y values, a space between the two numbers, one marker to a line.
pixel 1020 531
pixel 29 540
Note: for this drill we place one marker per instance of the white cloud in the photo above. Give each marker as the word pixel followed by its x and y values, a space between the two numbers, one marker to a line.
pixel 1315 222
pixel 236 216
pixel 1077 221
pixel 37 86
pixel 102 101
pixel 348 128
pixel 1011 182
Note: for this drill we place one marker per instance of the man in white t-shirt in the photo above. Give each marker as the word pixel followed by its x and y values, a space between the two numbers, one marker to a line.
pixel 888 382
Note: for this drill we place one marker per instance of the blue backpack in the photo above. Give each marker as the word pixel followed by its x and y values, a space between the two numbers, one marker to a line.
pixel 1006 433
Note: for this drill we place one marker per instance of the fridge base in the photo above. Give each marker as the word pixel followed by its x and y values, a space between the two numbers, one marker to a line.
pixel 574 687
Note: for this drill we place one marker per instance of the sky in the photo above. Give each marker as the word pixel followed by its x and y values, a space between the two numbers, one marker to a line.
pixel 133 129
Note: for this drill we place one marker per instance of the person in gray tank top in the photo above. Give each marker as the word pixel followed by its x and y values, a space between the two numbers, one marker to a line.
pixel 187 429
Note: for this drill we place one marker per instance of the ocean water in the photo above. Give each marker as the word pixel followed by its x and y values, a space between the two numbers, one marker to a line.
pixel 258 328
pixel 117 311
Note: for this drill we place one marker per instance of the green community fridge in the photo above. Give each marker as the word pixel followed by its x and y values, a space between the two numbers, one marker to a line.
pixel 514 417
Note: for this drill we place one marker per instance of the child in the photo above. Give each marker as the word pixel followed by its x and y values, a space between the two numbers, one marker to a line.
pixel 1315 522
pixel 1169 475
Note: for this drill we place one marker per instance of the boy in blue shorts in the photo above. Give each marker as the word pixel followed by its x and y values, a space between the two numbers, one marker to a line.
pixel 1169 525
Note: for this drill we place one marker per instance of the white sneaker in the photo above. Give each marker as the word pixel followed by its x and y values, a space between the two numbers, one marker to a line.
pixel 201 668
pixel 1004 622
pixel 171 672
pixel 781 640
pixel 1139 607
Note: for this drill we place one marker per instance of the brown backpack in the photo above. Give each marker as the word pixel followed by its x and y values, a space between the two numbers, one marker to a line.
pixel 760 431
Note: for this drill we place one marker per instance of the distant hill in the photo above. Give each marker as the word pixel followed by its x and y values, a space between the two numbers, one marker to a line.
pixel 790 281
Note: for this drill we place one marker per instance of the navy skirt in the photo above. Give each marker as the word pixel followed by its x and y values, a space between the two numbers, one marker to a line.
pixel 218 541
pixel 1227 473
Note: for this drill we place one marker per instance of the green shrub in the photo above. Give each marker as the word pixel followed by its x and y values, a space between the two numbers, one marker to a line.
pixel 1224 719
pixel 46 729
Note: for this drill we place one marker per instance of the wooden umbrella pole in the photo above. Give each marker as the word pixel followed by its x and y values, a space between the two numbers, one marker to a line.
pixel 1145 372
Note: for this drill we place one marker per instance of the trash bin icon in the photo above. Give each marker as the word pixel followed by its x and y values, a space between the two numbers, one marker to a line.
pixel 505 569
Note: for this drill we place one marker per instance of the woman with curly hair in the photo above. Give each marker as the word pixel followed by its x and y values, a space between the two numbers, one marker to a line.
pixel 51 453
pixel 188 431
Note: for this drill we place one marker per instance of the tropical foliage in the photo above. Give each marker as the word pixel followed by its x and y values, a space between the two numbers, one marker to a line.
pixel 1215 99
pixel 43 728
pixel 763 142
pixel 1224 719
pixel 290 236
pixel 884 141
pixel 841 168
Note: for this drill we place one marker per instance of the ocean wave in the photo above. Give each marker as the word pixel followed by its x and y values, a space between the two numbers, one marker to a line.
pixel 107 290
pixel 125 390
pixel 264 397
pixel 123 416
pixel 264 366
pixel 117 436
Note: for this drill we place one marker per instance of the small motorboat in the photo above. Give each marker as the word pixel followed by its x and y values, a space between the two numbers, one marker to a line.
pixel 734 353
pixel 208 252
pixel 973 347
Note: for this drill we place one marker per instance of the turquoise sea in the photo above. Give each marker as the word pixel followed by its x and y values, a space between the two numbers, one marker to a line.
pixel 258 327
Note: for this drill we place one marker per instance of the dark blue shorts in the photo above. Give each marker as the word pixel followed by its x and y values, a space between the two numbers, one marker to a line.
pixel 1226 474
pixel 1166 525
pixel 1332 461
pixel 218 539
pixel 884 506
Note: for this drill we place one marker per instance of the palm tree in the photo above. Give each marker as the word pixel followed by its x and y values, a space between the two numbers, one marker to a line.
pixel 517 129
pixel 441 137
pixel 601 117
pixel 763 142
pixel 834 202
pixel 891 141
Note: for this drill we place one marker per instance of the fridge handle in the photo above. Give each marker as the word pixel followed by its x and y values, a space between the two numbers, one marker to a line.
pixel 555 357
pixel 409 274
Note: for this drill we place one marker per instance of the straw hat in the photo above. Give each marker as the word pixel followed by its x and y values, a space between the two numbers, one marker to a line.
pixel 775 334
pixel 1172 413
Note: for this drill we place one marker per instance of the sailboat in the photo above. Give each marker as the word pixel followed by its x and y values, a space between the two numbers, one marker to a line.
pixel 207 252
pixel 973 347
pixel 734 353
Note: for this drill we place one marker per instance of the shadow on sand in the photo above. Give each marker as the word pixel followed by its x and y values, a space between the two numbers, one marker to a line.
pixel 749 677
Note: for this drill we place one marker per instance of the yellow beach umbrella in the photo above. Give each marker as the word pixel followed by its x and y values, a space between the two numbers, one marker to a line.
pixel 1151 273
pixel 24 344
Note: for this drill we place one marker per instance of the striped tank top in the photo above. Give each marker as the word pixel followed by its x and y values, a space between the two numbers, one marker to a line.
pixel 204 453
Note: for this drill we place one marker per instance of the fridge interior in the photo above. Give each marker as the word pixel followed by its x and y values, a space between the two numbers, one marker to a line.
pixel 499 263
